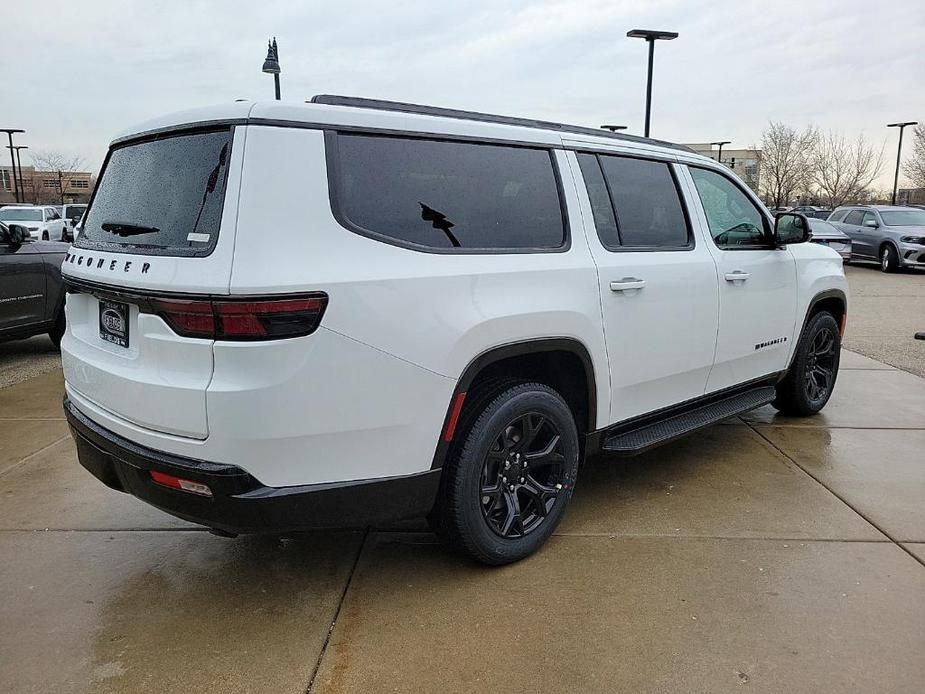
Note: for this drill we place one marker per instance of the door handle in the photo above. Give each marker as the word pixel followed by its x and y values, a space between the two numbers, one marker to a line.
pixel 626 284
pixel 737 276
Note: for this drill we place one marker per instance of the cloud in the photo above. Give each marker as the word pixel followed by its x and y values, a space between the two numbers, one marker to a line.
pixel 848 65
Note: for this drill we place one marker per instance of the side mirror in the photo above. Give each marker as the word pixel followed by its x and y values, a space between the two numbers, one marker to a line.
pixel 872 223
pixel 791 227
pixel 18 234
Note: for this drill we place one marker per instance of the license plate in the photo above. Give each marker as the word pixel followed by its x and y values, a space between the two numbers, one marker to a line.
pixel 114 322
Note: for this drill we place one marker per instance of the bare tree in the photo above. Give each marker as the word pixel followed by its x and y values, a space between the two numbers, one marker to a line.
pixel 845 169
pixel 785 161
pixel 61 167
pixel 914 167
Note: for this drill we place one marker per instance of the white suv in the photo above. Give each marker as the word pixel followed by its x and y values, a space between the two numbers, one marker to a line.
pixel 43 222
pixel 352 311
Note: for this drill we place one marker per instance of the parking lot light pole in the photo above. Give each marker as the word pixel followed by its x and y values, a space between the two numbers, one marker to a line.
pixel 613 128
pixel 9 133
pixel 22 185
pixel 651 36
pixel 899 151
pixel 271 63
pixel 719 157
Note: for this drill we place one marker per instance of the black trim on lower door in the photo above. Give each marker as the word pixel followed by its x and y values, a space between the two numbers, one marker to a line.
pixel 239 502
pixel 596 441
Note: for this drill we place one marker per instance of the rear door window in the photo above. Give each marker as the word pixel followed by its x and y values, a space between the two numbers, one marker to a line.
pixel 446 195
pixel 854 217
pixel 635 202
pixel 162 196
pixel 648 207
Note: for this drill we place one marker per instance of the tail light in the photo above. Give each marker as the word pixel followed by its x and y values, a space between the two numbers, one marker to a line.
pixel 242 319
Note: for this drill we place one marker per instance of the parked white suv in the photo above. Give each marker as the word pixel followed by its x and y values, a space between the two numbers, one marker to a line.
pixel 43 222
pixel 459 310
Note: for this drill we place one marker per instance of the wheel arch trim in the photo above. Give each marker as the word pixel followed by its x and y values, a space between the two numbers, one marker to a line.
pixel 516 349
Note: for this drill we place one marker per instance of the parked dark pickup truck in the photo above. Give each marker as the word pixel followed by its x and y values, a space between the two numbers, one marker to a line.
pixel 31 290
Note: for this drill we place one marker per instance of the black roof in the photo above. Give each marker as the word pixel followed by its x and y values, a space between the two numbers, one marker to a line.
pixel 381 105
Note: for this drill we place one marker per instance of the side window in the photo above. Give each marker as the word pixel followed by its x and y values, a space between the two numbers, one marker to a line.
pixel 648 207
pixel 601 207
pixel 854 217
pixel 838 216
pixel 439 194
pixel 733 218
pixel 869 217
pixel 53 214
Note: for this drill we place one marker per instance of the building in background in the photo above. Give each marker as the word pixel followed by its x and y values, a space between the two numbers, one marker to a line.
pixel 745 162
pixel 910 196
pixel 47 187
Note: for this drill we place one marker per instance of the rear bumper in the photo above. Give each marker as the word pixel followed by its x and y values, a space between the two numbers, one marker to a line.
pixel 239 502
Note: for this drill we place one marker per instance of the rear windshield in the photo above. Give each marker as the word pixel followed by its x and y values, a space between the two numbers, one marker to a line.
pixel 20 214
pixel 74 212
pixel 161 197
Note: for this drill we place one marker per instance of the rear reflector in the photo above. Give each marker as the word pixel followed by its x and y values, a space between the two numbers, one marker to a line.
pixel 841 327
pixel 454 416
pixel 183 485
pixel 245 319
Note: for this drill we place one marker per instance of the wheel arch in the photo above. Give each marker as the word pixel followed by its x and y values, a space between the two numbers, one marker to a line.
pixel 835 301
pixel 527 359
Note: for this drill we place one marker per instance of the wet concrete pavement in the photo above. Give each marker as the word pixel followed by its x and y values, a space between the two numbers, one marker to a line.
pixel 764 553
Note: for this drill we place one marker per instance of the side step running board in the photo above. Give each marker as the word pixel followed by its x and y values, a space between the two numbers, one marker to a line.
pixel 646 436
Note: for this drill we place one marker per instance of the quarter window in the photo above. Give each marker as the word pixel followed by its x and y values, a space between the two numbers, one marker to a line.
pixel 448 195
pixel 734 220
pixel 635 202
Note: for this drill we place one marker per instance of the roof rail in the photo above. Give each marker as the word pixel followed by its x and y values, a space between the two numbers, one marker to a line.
pixel 420 109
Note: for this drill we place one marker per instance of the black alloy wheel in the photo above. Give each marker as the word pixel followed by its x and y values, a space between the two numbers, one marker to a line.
pixel 522 475
pixel 819 377
pixel 811 377
pixel 509 473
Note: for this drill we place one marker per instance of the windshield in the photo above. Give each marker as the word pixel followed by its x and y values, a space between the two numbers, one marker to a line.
pixel 21 214
pixel 903 218
pixel 162 197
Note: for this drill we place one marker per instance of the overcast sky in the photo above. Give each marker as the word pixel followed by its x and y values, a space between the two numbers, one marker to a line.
pixel 76 73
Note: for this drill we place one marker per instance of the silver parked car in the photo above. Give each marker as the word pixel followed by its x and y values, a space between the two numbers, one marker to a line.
pixel 892 235
pixel 823 233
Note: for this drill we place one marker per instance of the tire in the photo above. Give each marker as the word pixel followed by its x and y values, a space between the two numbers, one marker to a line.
pixel 504 490
pixel 57 331
pixel 811 378
pixel 889 261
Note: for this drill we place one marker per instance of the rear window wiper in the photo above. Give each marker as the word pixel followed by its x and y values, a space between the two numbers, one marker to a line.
pixel 128 229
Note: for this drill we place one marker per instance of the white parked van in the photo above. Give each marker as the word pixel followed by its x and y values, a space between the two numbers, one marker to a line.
pixel 287 316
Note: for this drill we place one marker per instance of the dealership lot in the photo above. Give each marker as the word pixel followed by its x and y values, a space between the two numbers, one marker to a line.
pixel 785 554
pixel 885 312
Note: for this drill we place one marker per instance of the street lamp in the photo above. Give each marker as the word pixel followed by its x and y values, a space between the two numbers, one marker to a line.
pixel 651 37
pixel 613 128
pixel 899 151
pixel 22 185
pixel 719 157
pixel 271 63
pixel 9 133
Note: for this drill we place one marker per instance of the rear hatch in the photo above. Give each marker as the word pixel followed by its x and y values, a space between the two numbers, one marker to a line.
pixel 159 232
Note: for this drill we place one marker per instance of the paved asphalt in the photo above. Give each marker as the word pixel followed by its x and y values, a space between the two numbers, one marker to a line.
pixel 764 554
pixel 886 310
